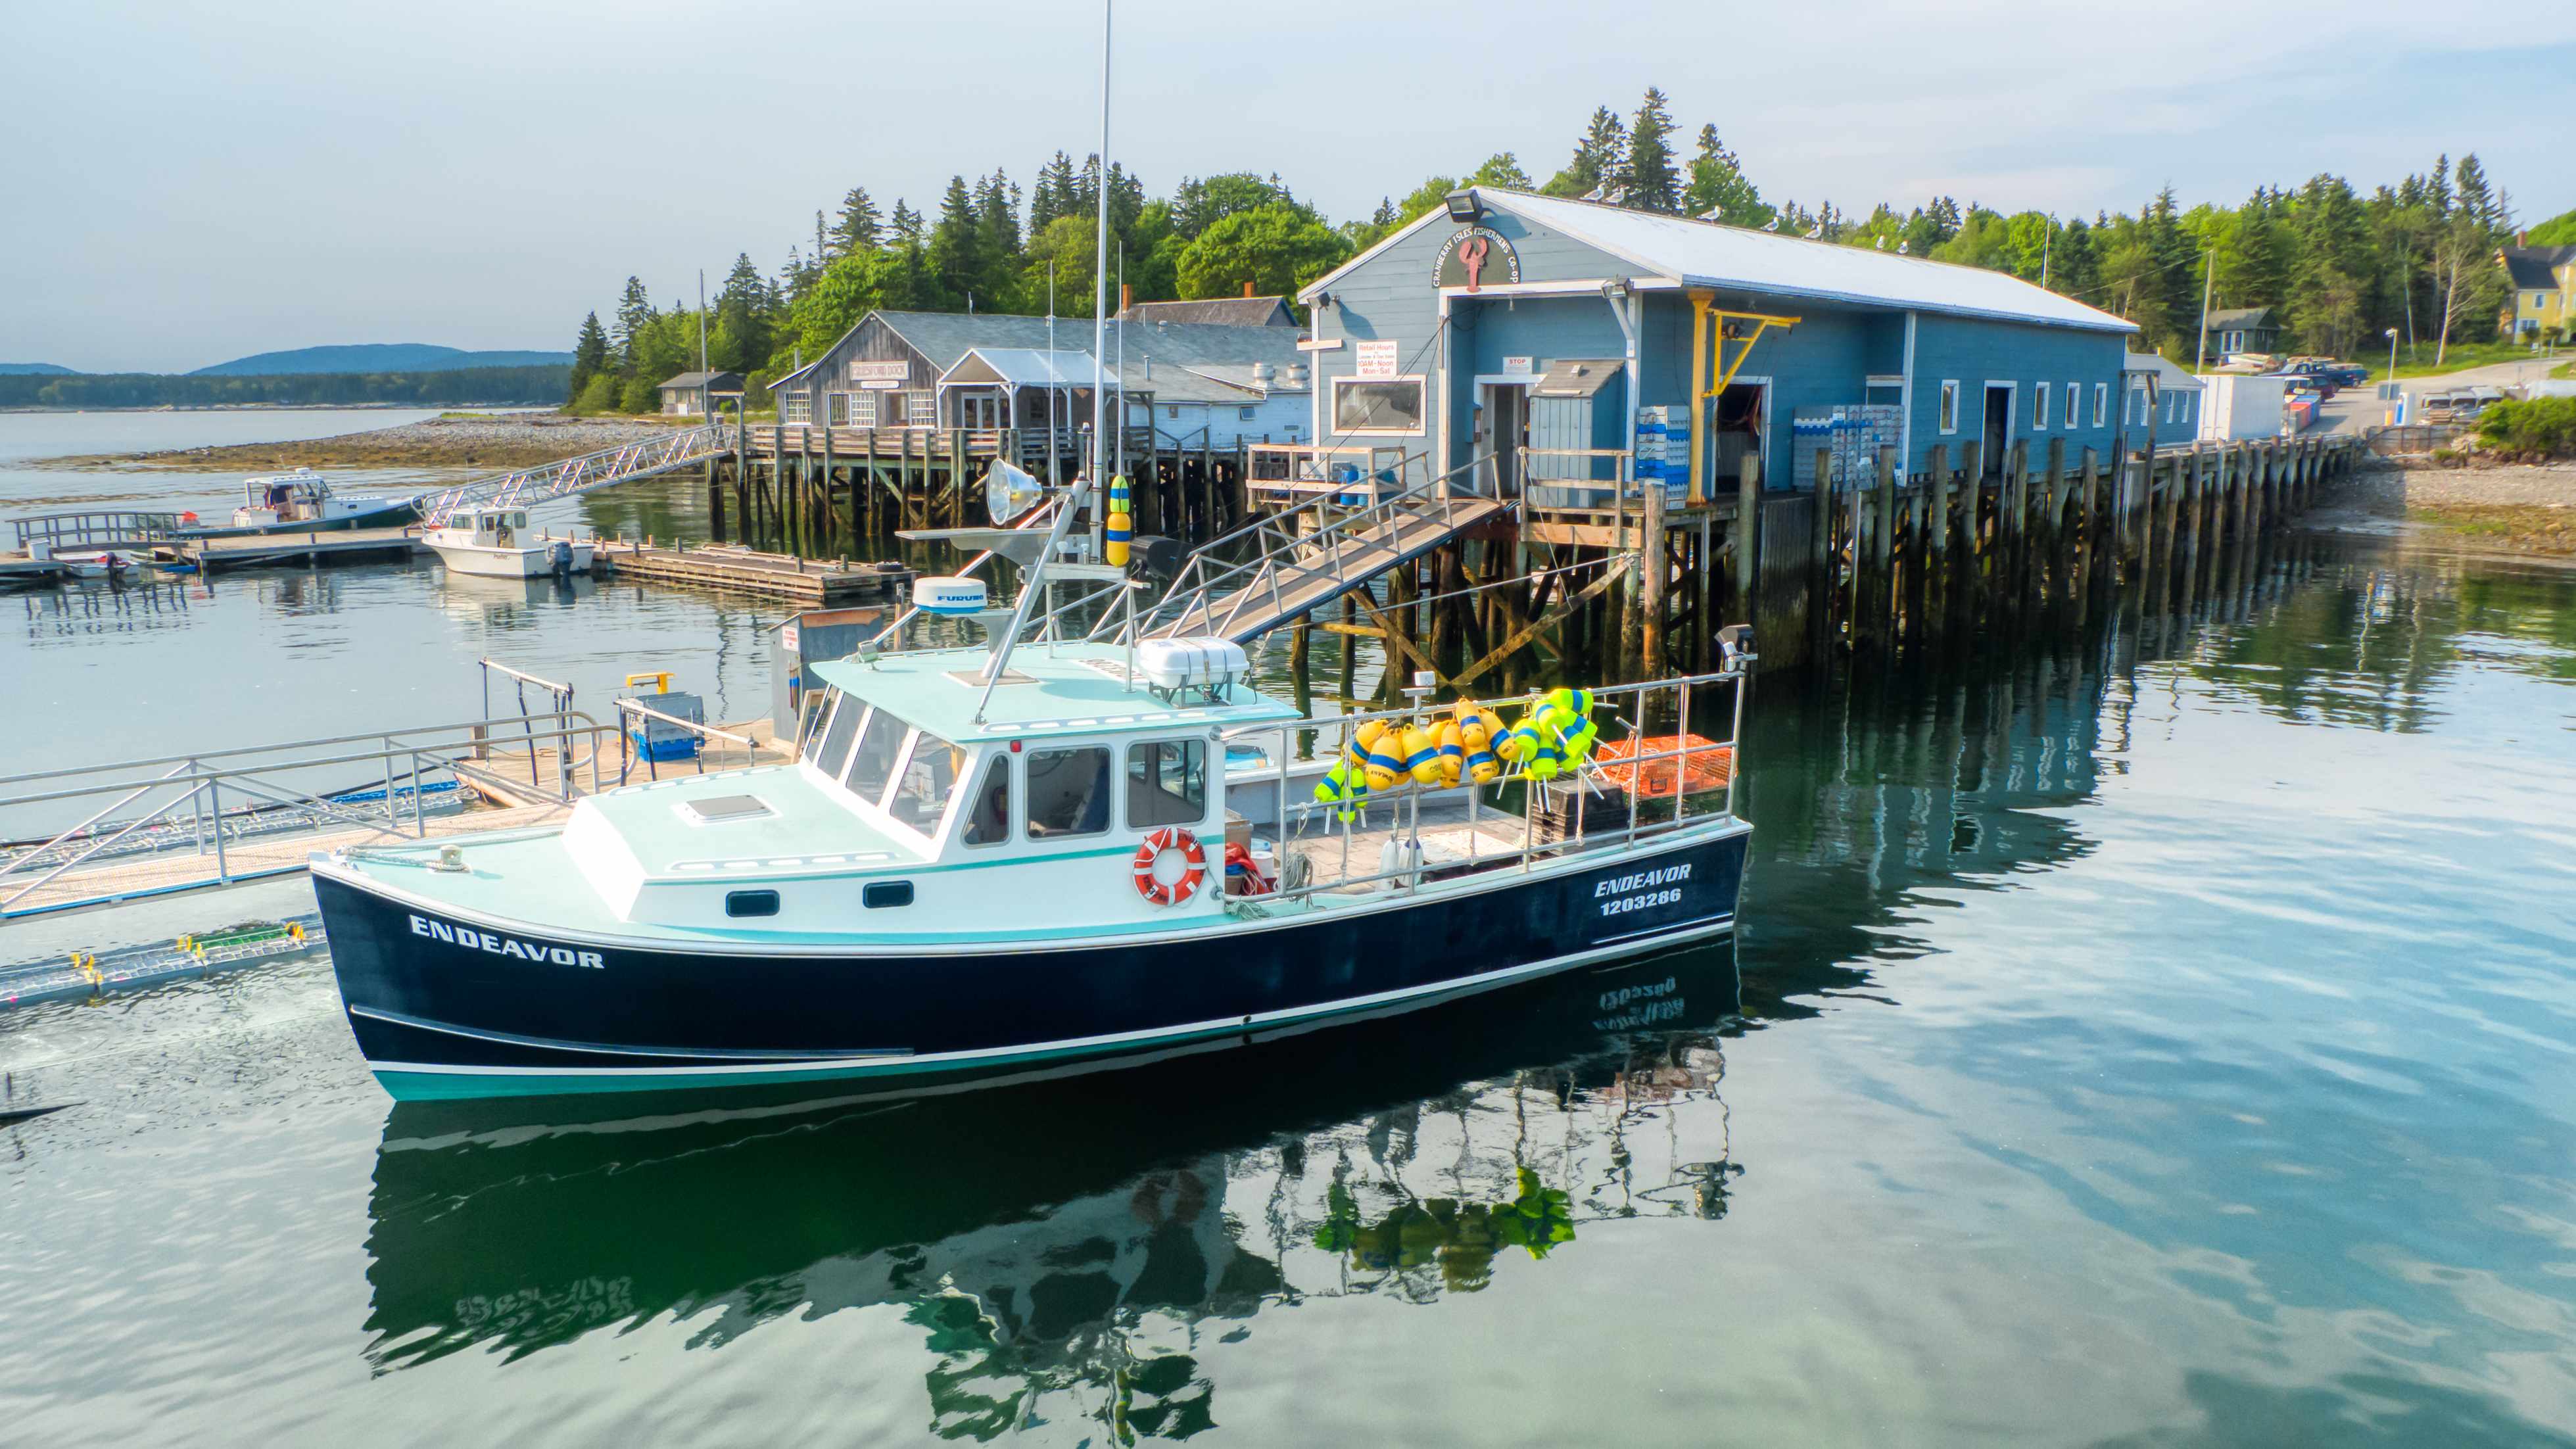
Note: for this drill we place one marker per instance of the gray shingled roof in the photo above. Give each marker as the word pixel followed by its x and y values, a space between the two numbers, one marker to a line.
pixel 714 381
pixel 1219 352
pixel 2239 319
pixel 2535 269
pixel 1217 311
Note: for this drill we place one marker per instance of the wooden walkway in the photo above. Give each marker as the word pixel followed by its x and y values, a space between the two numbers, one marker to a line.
pixel 725 566
pixel 1294 584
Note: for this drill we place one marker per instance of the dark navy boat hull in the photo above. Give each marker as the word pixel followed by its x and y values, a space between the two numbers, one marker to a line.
pixel 444 1005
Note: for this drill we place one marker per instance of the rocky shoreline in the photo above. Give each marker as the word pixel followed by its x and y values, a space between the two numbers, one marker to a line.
pixel 497 440
pixel 2524 510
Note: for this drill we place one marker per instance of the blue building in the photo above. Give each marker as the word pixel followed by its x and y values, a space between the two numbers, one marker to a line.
pixel 1510 321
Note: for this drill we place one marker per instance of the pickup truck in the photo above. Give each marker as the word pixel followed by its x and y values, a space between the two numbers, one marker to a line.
pixel 2340 374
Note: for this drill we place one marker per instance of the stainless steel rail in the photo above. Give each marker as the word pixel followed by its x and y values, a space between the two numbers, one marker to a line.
pixel 579 475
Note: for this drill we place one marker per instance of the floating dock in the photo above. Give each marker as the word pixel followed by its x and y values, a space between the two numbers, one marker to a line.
pixel 246 550
pixel 814 582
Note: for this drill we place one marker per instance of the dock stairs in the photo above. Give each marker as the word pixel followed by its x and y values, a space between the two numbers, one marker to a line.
pixel 685 448
pixel 1285 566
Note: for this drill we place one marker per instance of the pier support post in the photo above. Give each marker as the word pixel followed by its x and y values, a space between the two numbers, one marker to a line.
pixel 1657 561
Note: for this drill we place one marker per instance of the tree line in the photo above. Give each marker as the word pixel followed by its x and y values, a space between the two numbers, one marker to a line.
pixel 2337 267
pixel 461 387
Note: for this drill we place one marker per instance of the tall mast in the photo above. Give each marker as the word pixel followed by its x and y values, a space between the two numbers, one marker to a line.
pixel 1100 296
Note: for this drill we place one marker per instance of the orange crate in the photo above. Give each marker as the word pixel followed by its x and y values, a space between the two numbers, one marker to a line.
pixel 1708 766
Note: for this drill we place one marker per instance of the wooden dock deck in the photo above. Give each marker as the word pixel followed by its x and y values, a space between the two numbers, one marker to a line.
pixel 724 566
pixel 209 554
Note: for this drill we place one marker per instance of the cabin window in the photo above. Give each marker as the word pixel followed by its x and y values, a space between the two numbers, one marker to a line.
pixel 818 711
pixel 1377 405
pixel 2074 403
pixel 921 409
pixel 1243 415
pixel 863 410
pixel 1068 792
pixel 751 903
pixel 2101 403
pixel 840 413
pixel 988 812
pixel 876 895
pixel 2039 412
pixel 844 728
pixel 1172 412
pixel 929 777
pixel 1949 405
pixel 872 763
pixel 2169 406
pixel 796 408
pixel 1166 783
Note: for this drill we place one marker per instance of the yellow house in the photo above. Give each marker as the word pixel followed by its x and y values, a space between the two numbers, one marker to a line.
pixel 2544 289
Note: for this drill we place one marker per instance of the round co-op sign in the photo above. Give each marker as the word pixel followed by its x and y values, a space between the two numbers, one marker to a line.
pixel 1476 257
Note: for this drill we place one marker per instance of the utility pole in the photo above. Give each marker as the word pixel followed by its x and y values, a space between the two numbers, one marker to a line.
pixel 2047 234
pixel 2200 349
pixel 706 384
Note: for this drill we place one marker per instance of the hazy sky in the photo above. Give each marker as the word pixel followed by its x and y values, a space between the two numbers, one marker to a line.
pixel 188 184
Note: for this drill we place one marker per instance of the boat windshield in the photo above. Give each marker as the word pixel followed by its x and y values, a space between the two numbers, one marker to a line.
pixel 837 736
pixel 872 763
pixel 929 777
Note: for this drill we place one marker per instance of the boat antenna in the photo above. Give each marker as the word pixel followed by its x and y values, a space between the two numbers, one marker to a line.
pixel 1100 302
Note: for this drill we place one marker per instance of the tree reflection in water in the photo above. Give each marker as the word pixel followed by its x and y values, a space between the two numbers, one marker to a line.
pixel 1062 1247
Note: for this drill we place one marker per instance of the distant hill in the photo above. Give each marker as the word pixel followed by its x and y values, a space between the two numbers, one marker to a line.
pixel 34 369
pixel 2557 231
pixel 376 357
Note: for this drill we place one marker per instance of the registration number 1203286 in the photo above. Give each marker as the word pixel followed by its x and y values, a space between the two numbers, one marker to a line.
pixel 1643 891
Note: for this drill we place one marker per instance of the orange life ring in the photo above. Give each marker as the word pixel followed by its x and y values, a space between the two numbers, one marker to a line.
pixel 1170 837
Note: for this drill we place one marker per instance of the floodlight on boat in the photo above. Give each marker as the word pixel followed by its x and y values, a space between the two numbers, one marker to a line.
pixel 1010 492
pixel 950 596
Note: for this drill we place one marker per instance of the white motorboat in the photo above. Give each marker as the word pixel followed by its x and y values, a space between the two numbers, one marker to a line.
pixel 496 543
pixel 302 501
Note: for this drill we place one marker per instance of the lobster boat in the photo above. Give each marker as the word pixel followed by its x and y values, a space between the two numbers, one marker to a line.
pixel 497 543
pixel 991 860
pixel 300 502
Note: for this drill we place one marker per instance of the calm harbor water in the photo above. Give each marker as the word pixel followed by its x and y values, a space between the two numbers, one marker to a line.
pixel 2164 1039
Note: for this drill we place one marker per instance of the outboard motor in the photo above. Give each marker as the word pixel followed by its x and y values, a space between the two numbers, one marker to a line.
pixel 559 559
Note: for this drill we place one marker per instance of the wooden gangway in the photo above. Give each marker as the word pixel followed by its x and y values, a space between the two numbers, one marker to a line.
pixel 686 448
pixel 1288 564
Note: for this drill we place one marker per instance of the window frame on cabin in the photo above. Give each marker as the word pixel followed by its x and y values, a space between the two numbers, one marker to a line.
pixel 863 409
pixel 1946 412
pixel 2101 404
pixel 796 407
pixel 921 409
pixel 1421 409
pixel 2039 406
pixel 2074 405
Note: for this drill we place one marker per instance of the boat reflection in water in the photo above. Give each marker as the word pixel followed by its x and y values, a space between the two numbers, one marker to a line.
pixel 1057 1243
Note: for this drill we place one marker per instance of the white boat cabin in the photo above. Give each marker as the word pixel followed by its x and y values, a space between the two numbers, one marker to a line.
pixel 302 496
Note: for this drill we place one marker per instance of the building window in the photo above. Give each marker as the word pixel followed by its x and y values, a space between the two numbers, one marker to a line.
pixel 1243 415
pixel 2169 406
pixel 840 410
pixel 1377 405
pixel 796 408
pixel 2074 404
pixel 2039 412
pixel 2101 403
pixel 1949 405
pixel 863 410
pixel 1172 412
pixel 921 409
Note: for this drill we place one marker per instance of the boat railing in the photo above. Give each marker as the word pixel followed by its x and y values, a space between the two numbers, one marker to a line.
pixel 632 713
pixel 222 817
pixel 1649 809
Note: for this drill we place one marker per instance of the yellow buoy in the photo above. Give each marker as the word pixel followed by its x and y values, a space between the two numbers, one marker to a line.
pixel 1453 752
pixel 1116 532
pixel 1382 761
pixel 1421 755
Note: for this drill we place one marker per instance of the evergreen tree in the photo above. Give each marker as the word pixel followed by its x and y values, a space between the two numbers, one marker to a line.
pixel 857 228
pixel 634 314
pixel 1648 179
pixel 997 214
pixel 1600 156
pixel 589 355
pixel 906 224
pixel 739 336
pixel 1719 189
pixel 1052 195
pixel 1501 169
pixel 957 252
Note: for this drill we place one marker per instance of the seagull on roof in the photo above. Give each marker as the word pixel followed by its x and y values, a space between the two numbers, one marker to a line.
pixel 1598 193
pixel 1772 225
pixel 1711 214
pixel 1817 232
pixel 1882 243
pixel 1901 246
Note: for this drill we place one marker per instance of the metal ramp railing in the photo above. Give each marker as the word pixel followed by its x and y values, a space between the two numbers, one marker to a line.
pixel 569 476
pixel 59 531
pixel 1309 555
